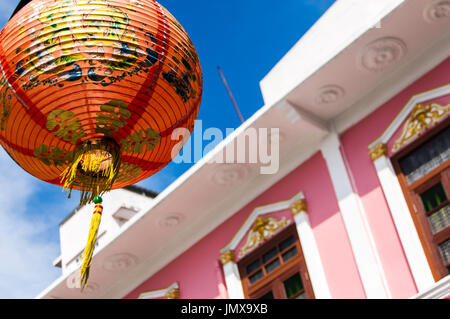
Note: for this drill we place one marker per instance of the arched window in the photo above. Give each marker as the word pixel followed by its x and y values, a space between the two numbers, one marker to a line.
pixel 277 269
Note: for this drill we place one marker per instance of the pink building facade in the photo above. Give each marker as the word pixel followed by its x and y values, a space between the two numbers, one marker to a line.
pixel 366 222
pixel 313 179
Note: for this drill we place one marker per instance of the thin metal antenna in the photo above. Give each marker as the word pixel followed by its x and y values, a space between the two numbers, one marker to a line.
pixel 230 94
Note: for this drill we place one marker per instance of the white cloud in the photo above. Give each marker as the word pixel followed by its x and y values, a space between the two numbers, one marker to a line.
pixel 25 254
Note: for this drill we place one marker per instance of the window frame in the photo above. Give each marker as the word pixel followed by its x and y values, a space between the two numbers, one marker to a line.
pixel 274 280
pixel 411 193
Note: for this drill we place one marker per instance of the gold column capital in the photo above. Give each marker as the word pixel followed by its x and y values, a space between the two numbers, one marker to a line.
pixel 173 293
pixel 378 151
pixel 298 206
pixel 227 256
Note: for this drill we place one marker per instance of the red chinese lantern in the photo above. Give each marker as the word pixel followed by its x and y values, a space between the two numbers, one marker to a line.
pixel 91 91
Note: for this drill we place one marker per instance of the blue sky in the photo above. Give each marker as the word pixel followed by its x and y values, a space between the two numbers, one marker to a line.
pixel 245 38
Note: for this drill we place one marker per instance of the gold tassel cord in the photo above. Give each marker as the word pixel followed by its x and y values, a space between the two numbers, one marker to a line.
pixel 89 249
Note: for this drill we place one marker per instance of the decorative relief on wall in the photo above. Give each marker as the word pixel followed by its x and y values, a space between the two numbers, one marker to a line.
pixel 421 118
pixel 437 11
pixel 230 174
pixel 119 262
pixel 330 94
pixel 382 53
pixel 298 206
pixel 263 228
pixel 377 151
pixel 170 220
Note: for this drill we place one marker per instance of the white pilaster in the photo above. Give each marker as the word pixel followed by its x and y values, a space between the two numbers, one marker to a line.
pixel 312 257
pixel 404 224
pixel 233 280
pixel 370 271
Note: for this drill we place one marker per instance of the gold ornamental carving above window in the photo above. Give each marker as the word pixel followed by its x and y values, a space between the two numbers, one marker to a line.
pixel 262 229
pixel 421 118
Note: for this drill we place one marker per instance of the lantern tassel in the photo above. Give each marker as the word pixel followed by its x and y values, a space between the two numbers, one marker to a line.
pixel 89 249
pixel 93 170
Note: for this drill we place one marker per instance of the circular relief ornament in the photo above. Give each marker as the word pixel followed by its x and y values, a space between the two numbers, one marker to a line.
pixel 171 221
pixel 382 54
pixel 437 11
pixel 329 94
pixel 230 174
pixel 119 262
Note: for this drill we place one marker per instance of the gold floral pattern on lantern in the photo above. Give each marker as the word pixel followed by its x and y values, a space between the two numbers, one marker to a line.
pixel 63 125
pixel 135 142
pixel 421 118
pixel 262 229
pixel 48 154
pixel 114 117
